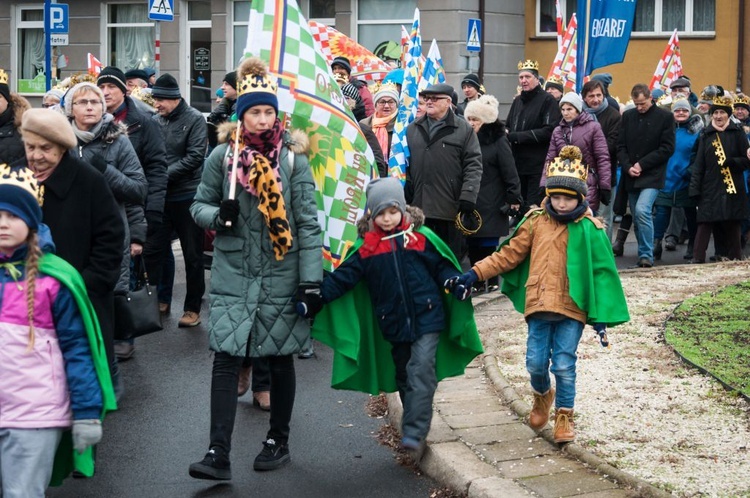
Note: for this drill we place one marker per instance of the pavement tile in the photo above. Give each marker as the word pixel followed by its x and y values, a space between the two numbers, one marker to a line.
pixel 573 483
pixel 467 420
pixel 478 405
pixel 519 449
pixel 612 493
pixel 454 465
pixel 440 431
pixel 492 487
pixel 545 464
pixel 495 433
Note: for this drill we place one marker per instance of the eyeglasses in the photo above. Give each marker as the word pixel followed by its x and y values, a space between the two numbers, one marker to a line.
pixel 434 98
pixel 88 102
pixel 386 102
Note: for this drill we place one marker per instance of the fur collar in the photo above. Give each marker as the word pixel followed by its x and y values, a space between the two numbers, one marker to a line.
pixel 413 215
pixel 20 105
pixel 490 133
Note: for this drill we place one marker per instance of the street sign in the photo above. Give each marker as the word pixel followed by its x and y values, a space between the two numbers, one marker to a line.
pixel 161 10
pixel 58 18
pixel 58 40
pixel 474 36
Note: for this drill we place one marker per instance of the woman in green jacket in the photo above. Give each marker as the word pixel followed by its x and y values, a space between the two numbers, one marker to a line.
pixel 267 249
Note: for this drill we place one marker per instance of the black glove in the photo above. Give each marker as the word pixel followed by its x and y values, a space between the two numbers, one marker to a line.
pixel 466 207
pixel 309 300
pixel 99 163
pixel 601 330
pixel 229 210
pixel 605 196
pixel 461 286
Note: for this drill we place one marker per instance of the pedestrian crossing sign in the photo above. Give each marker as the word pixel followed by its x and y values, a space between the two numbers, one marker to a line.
pixel 474 35
pixel 161 10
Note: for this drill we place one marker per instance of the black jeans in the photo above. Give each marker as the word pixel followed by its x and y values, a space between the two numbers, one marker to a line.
pixel 177 219
pixel 224 382
pixel 530 190
pixel 449 234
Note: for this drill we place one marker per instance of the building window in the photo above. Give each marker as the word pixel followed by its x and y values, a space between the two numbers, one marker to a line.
pixel 379 26
pixel 130 36
pixel 652 17
pixel 30 29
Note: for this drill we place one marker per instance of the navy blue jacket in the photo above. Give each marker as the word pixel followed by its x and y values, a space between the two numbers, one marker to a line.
pixel 405 276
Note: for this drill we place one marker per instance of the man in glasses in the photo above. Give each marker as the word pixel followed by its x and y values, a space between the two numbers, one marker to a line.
pixel 445 167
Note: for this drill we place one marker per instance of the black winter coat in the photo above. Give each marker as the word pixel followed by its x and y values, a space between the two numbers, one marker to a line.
pixel 144 136
pixel 610 120
pixel 11 145
pixel 532 117
pixel 500 185
pixel 707 181
pixel 647 139
pixel 405 280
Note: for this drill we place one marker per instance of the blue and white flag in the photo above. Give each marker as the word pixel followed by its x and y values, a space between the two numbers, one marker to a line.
pixel 603 34
pixel 432 71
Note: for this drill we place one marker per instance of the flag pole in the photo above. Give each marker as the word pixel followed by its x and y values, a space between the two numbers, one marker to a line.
pixel 233 175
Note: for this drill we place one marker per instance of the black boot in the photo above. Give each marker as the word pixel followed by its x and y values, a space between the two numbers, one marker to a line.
pixel 657 249
pixel 689 251
pixel 618 246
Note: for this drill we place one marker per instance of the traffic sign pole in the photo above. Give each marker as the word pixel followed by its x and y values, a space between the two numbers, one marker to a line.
pixel 157 47
pixel 47 46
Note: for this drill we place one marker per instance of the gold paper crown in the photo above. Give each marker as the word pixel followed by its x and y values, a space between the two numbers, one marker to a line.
pixel 742 99
pixel 723 101
pixel 3 77
pixel 665 99
pixel 528 65
pixel 23 178
pixel 385 87
pixel 252 76
pixel 142 95
pixel 568 164
pixel 555 79
pixel 341 79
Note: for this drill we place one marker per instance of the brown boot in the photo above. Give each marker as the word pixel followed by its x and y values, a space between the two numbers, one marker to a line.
pixel 564 427
pixel 539 415
pixel 262 400
pixel 244 384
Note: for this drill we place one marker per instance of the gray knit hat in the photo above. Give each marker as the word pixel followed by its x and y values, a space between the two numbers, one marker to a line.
pixel 681 104
pixel 567 174
pixel 573 99
pixel 383 193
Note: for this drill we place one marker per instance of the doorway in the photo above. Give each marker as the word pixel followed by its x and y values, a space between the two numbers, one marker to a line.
pixel 199 55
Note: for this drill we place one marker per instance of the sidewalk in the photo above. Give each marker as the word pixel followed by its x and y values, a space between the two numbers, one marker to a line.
pixel 479 443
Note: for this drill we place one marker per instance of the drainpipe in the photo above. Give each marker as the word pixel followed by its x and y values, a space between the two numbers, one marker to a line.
pixel 740 44
pixel 482 37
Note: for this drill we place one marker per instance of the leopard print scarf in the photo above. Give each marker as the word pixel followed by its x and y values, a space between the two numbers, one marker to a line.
pixel 258 174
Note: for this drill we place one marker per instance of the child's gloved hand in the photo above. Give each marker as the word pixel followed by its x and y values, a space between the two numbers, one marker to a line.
pixel 87 432
pixel 461 286
pixel 309 300
pixel 601 329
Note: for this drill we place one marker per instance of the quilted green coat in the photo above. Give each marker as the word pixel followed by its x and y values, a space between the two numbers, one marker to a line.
pixel 251 297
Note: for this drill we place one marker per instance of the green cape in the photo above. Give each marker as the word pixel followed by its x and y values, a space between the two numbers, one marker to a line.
pixel 594 284
pixel 66 458
pixel 362 358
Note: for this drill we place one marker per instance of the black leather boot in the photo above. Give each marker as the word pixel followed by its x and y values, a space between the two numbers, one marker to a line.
pixel 657 249
pixel 618 246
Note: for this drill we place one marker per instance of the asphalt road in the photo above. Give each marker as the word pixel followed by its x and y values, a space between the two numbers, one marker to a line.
pixel 163 423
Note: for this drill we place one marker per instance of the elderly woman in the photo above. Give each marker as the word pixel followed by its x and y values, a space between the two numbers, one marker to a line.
pixel 500 190
pixel 267 250
pixel 12 107
pixel 79 210
pixel 384 118
pixel 717 182
pixel 580 129
pixel 52 98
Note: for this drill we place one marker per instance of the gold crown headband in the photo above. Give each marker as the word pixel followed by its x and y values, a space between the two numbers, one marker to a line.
pixel 555 79
pixel 385 87
pixel 23 178
pixel 723 101
pixel 568 164
pixel 528 65
pixel 252 76
pixel 742 99
pixel 3 77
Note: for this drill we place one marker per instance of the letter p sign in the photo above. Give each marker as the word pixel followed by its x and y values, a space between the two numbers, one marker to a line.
pixel 58 18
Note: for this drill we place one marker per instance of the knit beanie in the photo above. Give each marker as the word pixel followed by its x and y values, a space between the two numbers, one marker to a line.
pixel 350 91
pixel 554 82
pixel 4 88
pixel 572 98
pixel 485 109
pixel 80 88
pixel 231 79
pixel 114 75
pixel 472 80
pixel 383 193
pixel 605 78
pixel 20 194
pixel 386 90
pixel 724 102
pixel 567 175
pixel 255 86
pixel 343 62
pixel 681 104
pixel 166 87
pixel 742 101
pixel 50 125
pixel 136 74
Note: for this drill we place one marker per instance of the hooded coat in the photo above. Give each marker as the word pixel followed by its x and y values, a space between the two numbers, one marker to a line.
pixel 252 294
pixel 11 145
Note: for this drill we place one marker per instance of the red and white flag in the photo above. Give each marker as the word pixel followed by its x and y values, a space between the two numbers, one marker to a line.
pixel 560 24
pixel 95 67
pixel 564 65
pixel 669 67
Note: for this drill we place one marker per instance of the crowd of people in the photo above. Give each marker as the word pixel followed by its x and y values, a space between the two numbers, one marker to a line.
pixel 111 169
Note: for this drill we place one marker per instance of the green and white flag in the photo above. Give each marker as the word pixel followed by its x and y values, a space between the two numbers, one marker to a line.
pixel 341 160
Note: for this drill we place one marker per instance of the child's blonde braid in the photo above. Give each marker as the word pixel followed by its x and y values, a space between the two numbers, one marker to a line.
pixel 32 268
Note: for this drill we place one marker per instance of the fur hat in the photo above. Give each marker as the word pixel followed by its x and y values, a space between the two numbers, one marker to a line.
pixel 383 193
pixel 255 86
pixel 343 62
pixel 166 87
pixel 572 98
pixel 567 174
pixel 485 109
pixel 21 195
pixel 49 124
pixel 82 87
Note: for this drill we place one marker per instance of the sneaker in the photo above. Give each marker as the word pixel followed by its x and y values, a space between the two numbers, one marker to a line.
pixel 272 456
pixel 306 353
pixel 214 466
pixel 413 447
pixel 124 350
pixel 189 319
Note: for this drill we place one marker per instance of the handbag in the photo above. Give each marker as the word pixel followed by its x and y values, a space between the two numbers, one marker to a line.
pixel 137 312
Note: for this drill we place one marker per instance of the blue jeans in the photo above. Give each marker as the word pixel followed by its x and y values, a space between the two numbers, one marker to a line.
pixel 26 459
pixel 642 206
pixel 556 342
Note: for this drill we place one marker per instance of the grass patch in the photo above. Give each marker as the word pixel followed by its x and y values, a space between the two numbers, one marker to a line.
pixel 712 330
